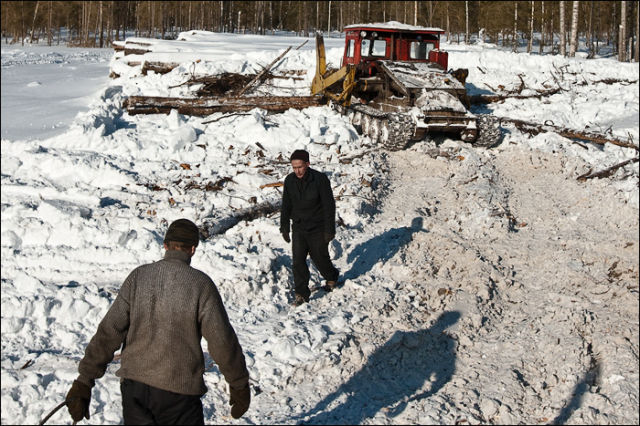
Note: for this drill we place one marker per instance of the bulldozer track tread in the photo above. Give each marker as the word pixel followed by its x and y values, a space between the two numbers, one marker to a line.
pixel 489 132
pixel 392 131
pixel 399 130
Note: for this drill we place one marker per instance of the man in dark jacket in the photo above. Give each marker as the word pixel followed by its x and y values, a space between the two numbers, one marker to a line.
pixel 159 317
pixel 307 201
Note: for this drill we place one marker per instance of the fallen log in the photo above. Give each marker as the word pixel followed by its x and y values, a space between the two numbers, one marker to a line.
pixel 606 172
pixel 599 138
pixel 515 94
pixel 210 105
pixel 158 67
pixel 134 48
pixel 272 185
pixel 135 51
pixel 215 226
pixel 487 99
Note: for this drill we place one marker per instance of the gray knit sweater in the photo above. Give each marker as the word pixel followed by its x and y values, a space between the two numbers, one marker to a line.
pixel 161 314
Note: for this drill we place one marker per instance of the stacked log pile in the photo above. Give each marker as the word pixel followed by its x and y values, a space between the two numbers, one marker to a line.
pixel 225 92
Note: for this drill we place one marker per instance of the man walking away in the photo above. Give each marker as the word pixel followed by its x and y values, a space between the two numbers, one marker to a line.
pixel 307 201
pixel 159 317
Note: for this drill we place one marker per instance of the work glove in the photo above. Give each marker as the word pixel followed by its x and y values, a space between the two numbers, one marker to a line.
pixel 78 400
pixel 328 237
pixel 285 235
pixel 239 401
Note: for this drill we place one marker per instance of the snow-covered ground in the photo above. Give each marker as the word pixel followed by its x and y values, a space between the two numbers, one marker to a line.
pixel 481 285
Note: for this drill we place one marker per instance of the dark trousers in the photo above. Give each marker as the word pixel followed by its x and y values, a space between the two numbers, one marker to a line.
pixel 304 244
pixel 146 405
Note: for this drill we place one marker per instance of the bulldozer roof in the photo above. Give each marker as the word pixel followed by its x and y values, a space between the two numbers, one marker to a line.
pixel 393 26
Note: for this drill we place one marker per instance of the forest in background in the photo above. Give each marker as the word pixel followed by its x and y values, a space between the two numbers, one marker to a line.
pixel 542 26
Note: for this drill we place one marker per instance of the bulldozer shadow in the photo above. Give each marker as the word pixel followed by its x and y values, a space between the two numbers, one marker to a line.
pixel 410 366
pixel 474 92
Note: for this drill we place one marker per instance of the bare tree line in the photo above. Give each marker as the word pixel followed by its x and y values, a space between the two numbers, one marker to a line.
pixel 517 23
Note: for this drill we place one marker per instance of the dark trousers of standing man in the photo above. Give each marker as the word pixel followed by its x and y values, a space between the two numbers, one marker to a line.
pixel 313 244
pixel 147 405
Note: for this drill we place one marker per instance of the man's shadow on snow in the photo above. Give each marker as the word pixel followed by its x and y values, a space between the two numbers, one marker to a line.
pixel 392 377
pixel 380 248
pixel 590 378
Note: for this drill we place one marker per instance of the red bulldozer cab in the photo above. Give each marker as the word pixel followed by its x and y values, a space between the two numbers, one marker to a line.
pixel 392 41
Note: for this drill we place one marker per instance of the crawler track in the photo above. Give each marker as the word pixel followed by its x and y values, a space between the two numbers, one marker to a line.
pixel 394 131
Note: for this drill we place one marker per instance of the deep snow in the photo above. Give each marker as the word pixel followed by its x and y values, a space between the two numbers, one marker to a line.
pixel 481 285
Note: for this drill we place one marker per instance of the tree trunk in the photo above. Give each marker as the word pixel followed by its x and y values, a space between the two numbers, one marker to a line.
pixel 88 21
pixel 573 44
pixel 203 9
pixel 415 13
pixel 622 38
pixel 164 20
pixel 33 24
pixel 515 28
pixel 256 11
pixel 329 21
pixel 101 43
pixel 590 32
pixel 22 22
pixel 204 106
pixel 599 138
pixel 563 31
pixel 448 32
pixel 636 56
pixel 97 28
pixel 279 15
pixel 231 15
pixel 530 44
pixel 466 14
pixel 109 21
pixel 606 172
pixel 542 28
pixel 49 29
pixel 152 29
pixel 551 27
pixel 598 29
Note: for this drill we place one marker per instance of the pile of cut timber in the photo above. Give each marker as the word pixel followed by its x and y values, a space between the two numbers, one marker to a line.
pixel 227 92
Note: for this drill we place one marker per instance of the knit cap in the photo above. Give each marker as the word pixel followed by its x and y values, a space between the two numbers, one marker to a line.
pixel 300 154
pixel 184 231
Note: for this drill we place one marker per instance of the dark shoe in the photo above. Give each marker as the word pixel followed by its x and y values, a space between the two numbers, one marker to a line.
pixel 331 285
pixel 300 300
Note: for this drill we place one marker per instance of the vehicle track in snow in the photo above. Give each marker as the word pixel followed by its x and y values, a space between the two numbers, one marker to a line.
pixel 486 296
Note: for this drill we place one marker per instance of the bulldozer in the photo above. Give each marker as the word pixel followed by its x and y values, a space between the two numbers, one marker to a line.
pixel 394 85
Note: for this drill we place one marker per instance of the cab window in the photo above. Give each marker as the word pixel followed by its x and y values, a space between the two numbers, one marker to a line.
pixel 373 47
pixel 364 47
pixel 351 48
pixel 379 48
pixel 420 49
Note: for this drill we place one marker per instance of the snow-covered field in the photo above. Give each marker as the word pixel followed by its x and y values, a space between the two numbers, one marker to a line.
pixel 481 285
